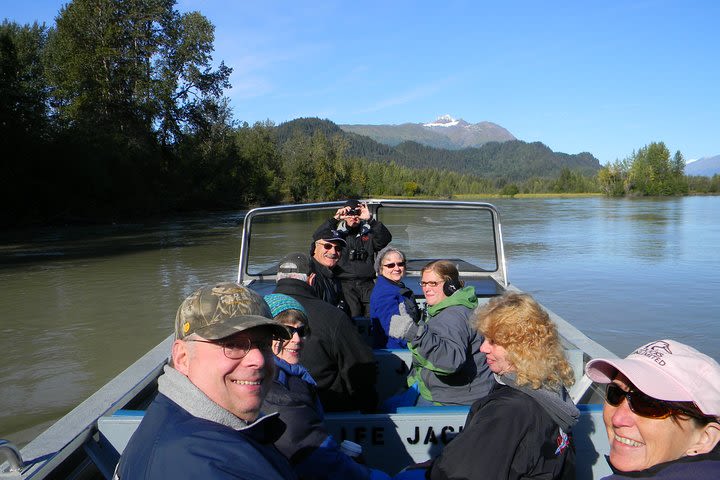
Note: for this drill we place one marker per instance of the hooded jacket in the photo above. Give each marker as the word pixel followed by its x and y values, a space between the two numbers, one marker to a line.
pixel 184 434
pixel 513 434
pixel 447 363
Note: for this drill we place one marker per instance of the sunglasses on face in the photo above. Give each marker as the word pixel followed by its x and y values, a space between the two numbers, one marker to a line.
pixel 392 265
pixel 330 246
pixel 302 331
pixel 431 284
pixel 639 403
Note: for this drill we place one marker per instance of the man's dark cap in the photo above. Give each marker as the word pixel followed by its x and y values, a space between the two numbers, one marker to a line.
pixel 329 236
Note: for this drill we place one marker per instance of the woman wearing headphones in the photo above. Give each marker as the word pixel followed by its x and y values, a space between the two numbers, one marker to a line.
pixel 448 367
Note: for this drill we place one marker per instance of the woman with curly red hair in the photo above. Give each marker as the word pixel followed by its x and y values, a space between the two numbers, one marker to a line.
pixel 521 429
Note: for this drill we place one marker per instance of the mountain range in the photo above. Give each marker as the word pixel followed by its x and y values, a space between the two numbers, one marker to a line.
pixel 445 132
pixel 509 159
pixel 706 166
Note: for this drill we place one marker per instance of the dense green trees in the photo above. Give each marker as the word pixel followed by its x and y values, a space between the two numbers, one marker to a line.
pixel 649 171
pixel 110 112
pixel 116 111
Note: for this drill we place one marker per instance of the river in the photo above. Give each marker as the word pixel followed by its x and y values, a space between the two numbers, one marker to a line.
pixel 79 304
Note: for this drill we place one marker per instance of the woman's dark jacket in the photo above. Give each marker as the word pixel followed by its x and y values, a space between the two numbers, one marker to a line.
pixel 339 359
pixel 507 435
pixel 312 452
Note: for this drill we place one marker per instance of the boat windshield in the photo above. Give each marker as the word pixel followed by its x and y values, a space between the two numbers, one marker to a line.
pixel 465 232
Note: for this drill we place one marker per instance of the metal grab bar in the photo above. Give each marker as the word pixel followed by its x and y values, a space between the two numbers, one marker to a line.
pixel 10 452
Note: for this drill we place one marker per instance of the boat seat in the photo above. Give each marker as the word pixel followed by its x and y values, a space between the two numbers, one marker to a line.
pixel 119 427
pixel 103 454
pixel 393 368
pixel 414 434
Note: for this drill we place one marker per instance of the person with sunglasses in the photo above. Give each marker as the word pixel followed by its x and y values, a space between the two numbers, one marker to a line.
pixel 662 412
pixel 365 236
pixel 522 429
pixel 206 420
pixel 390 297
pixel 339 359
pixel 312 451
pixel 326 249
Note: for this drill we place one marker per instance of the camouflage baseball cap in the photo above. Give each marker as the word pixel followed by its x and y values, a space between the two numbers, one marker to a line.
pixel 216 312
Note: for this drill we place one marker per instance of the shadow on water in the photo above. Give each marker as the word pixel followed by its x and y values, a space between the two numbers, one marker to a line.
pixel 38 246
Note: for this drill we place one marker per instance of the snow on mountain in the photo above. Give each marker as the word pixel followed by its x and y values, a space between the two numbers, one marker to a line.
pixel 445 132
pixel 443 121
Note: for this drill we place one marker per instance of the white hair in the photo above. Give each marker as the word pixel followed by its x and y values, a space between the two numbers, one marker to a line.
pixel 296 275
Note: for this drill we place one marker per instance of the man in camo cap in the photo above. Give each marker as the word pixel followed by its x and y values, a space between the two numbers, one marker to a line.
pixel 205 421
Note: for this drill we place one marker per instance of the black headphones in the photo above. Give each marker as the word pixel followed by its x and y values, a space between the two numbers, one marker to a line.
pixel 451 286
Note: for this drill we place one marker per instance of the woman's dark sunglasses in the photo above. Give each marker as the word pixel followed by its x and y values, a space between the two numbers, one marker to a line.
pixel 302 331
pixel 641 404
pixel 392 265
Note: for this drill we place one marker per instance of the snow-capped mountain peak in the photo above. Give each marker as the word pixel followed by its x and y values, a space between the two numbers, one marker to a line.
pixel 443 121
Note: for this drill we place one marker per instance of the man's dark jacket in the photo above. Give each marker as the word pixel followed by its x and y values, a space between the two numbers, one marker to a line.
pixel 327 286
pixel 335 354
pixel 363 243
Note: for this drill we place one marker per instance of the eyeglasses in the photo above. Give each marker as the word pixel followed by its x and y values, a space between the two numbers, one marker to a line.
pixel 431 283
pixel 302 331
pixel 392 265
pixel 237 349
pixel 330 246
pixel 639 403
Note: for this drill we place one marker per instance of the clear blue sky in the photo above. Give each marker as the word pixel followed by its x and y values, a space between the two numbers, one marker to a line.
pixel 607 77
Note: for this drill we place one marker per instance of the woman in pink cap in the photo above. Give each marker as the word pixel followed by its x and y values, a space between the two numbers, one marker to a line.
pixel 662 412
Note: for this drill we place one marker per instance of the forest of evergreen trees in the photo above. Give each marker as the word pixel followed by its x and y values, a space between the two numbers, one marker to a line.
pixel 116 112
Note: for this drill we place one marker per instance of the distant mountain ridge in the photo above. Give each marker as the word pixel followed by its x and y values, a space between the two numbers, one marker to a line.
pixel 706 167
pixel 513 160
pixel 445 132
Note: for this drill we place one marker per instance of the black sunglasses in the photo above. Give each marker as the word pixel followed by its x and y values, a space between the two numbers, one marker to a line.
pixel 302 331
pixel 392 265
pixel 639 403
pixel 328 246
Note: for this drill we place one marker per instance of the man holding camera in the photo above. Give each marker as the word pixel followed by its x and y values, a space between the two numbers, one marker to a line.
pixel 364 237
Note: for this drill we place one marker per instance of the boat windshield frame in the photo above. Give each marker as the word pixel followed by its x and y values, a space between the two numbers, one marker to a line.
pixel 466 225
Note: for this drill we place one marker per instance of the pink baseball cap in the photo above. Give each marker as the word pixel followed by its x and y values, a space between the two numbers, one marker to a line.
pixel 666 370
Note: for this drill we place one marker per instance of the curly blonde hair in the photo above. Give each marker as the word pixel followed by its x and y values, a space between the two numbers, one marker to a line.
pixel 520 325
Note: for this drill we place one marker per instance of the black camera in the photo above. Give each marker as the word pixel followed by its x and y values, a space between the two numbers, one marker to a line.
pixel 353 211
pixel 359 254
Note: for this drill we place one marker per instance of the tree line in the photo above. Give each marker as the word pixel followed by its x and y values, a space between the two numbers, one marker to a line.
pixel 116 111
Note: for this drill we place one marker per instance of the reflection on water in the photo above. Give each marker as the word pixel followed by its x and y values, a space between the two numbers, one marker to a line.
pixel 80 304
